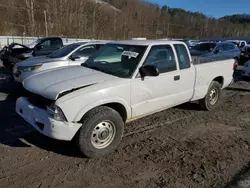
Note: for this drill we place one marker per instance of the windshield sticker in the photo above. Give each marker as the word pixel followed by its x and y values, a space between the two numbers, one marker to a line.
pixel 130 54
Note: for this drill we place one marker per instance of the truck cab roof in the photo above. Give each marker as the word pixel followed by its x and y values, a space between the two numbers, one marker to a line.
pixel 147 42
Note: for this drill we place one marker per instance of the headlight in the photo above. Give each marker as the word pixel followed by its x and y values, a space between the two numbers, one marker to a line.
pixel 56 113
pixel 29 68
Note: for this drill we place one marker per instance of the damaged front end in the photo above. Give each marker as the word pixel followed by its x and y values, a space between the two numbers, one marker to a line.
pixel 14 53
pixel 72 90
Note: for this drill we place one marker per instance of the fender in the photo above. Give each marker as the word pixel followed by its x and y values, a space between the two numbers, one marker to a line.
pixel 87 108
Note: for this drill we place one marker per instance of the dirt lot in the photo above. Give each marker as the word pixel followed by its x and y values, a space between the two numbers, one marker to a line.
pixel 181 147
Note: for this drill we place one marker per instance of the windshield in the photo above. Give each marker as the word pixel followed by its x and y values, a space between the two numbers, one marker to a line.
pixel 205 47
pixel 117 60
pixel 33 44
pixel 65 50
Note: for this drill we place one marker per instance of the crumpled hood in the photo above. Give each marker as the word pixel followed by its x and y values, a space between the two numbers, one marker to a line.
pixel 50 84
pixel 37 60
pixel 14 44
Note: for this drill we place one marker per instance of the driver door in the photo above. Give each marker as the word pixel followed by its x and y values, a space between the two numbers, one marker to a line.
pixel 152 94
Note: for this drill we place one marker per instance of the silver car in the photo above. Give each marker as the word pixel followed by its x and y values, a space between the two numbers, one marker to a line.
pixel 70 55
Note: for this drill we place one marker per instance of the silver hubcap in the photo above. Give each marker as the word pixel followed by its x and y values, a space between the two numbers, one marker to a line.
pixel 213 96
pixel 103 134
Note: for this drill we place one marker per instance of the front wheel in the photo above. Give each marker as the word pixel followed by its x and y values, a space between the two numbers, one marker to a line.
pixel 100 133
pixel 210 101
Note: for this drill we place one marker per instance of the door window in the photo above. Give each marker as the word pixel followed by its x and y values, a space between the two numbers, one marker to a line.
pixel 162 57
pixel 46 44
pixel 85 51
pixel 51 43
pixel 219 48
pixel 55 43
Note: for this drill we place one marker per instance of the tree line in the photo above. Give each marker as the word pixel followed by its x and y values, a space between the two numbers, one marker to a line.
pixel 113 19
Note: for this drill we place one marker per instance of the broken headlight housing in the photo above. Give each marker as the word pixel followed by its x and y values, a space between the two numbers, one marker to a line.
pixel 56 113
pixel 29 68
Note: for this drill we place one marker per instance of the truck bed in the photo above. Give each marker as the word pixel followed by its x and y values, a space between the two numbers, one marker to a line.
pixel 196 60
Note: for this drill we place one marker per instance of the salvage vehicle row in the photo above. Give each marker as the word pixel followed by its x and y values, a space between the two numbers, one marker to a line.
pixel 70 55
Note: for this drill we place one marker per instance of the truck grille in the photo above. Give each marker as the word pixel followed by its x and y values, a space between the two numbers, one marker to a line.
pixel 37 100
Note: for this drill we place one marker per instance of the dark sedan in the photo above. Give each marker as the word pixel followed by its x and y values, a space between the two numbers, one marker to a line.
pixel 220 50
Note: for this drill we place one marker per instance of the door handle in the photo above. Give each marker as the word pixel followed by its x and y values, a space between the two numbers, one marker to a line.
pixel 177 78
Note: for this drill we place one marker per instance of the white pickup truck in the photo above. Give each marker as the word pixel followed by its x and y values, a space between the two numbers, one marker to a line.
pixel 121 82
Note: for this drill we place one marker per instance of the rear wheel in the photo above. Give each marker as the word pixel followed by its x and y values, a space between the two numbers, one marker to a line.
pixel 210 101
pixel 101 132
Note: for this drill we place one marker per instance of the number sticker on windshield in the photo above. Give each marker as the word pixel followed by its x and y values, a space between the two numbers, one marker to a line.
pixel 130 54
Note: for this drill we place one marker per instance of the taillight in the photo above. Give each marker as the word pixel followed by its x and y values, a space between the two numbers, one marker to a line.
pixel 234 66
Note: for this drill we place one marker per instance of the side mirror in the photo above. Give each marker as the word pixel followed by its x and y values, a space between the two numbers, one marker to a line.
pixel 149 70
pixel 73 57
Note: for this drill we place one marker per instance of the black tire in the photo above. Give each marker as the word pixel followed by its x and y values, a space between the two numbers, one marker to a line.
pixel 91 121
pixel 206 102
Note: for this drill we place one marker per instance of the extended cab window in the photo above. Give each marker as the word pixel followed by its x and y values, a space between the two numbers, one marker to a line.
pixel 182 55
pixel 162 57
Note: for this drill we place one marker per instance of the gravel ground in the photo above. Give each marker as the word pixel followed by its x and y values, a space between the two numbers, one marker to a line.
pixel 180 147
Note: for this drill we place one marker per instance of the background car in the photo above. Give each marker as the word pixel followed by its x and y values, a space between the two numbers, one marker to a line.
pixel 14 53
pixel 70 55
pixel 245 55
pixel 220 50
pixel 240 43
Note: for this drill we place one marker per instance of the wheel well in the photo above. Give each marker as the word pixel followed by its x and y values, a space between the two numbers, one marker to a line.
pixel 119 108
pixel 220 80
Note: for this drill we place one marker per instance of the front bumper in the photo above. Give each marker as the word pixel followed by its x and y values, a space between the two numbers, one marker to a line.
pixel 46 125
